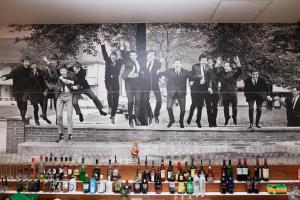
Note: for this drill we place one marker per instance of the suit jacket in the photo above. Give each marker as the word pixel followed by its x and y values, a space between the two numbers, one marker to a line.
pixel 292 113
pixel 196 70
pixel 257 92
pixel 81 82
pixel 70 76
pixel 129 66
pixel 228 81
pixel 176 84
pixel 151 76
pixel 112 71
pixel 21 79
pixel 37 82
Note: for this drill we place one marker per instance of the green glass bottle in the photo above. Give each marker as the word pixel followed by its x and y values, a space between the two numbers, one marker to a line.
pixel 86 184
pixel 189 186
pixel 82 171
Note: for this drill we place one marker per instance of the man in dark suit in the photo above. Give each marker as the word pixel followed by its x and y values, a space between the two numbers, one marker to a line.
pixel 199 90
pixel 63 90
pixel 133 76
pixel 152 84
pixel 255 90
pixel 176 89
pixel 113 66
pixel 228 78
pixel 293 108
pixel 21 78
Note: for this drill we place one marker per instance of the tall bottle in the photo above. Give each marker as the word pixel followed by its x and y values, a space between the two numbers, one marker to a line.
pixel 249 184
pixel 257 172
pixel 146 171
pixel 86 184
pixel 223 184
pixel 82 171
pixel 202 185
pixel 255 187
pixel 224 168
pixel 158 184
pixel 19 182
pixel 144 184
pixel 137 183
pixel 101 185
pixel 65 181
pixel 239 171
pixel 109 171
pixel 162 170
pixel 172 184
pixel 189 186
pixel 245 170
pixel 186 172
pixel 96 171
pixel 152 173
pixel 76 170
pixel 193 169
pixel 93 184
pixel 139 173
pixel 229 169
pixel 70 167
pixel 266 173
pixel 181 185
pixel 210 175
pixel 170 171
pixel 115 173
pixel 61 168
pixel 41 173
pixel 230 185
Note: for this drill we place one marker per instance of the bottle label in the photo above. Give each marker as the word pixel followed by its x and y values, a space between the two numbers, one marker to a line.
pixel 189 188
pixel 65 185
pixel 193 172
pixel 181 188
pixel 265 173
pixel 145 186
pixel 239 171
pixel 93 187
pixel 172 185
pixel 137 186
pixel 101 187
pixel 85 186
pixel 170 174
pixel 162 174
pixel 72 185
pixel 152 177
pixel 70 172
pixel 245 171
pixel 210 179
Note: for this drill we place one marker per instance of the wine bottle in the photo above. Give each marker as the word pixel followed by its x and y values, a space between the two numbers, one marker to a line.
pixel 186 172
pixel 257 169
pixel 152 173
pixel 255 185
pixel 162 170
pixel 229 169
pixel 82 171
pixel 115 172
pixel 223 184
pixel 210 175
pixel 224 168
pixel 158 183
pixel 172 184
pixel 70 167
pixel 65 181
pixel 145 184
pixel 170 171
pixel 109 171
pixel 193 169
pixel 137 183
pixel 86 184
pixel 230 185
pixel 96 171
pixel 146 171
pixel 139 173
pixel 239 171
pixel 249 184
pixel 266 171
pixel 245 170
pixel 189 186
pixel 181 185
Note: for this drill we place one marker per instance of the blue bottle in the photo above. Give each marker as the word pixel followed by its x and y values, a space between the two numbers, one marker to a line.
pixel 230 185
pixel 93 185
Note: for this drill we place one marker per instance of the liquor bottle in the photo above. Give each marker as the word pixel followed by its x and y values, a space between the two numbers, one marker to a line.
pixel 255 184
pixel 257 169
pixel 230 185
pixel 170 171
pixel 229 169
pixel 86 184
pixel 127 188
pixel 72 184
pixel 224 168
pixel 82 170
pixel 101 185
pixel 61 168
pixel 5 183
pixel 66 165
pixel 117 185
pixel 146 171
pixel 25 179
pixel 249 184
pixel 50 185
pixel 55 166
pixel 186 172
pixel 172 184
pixel 65 181
pixel 202 184
pixel 162 170
pixel 245 170
pixel 19 181
pixel 189 186
pixel 96 171
pixel 152 173
pixel 70 167
pixel 57 183
pixel 239 171
pixel 93 184
pixel 158 183
pixel 193 169
pixel 139 173
pixel 137 183
pixel 109 171
pixel 50 166
pixel 76 170
pixel 210 175
pixel 223 184
pixel 265 171
pixel 144 184
pixel 41 173
pixel 115 172
pixel 196 182
pixel 180 173
pixel 109 186
pixel 32 175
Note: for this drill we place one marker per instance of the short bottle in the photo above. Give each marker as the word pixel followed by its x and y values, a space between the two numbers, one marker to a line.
pixel 158 184
pixel 266 171
pixel 72 184
pixel 86 184
pixel 223 184
pixel 144 184
pixel 189 186
pixel 101 188
pixel 93 184
pixel 249 184
pixel 230 185
pixel 172 185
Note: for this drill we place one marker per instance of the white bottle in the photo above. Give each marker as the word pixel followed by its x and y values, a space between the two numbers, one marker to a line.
pixel 72 184
pixel 109 187
pixel 202 184
pixel 196 183
pixel 101 185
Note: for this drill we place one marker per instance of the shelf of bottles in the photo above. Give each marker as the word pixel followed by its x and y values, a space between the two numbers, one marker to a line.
pixel 61 175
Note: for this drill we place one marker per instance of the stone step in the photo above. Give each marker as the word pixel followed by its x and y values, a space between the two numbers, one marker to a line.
pixel 119 133
pixel 276 152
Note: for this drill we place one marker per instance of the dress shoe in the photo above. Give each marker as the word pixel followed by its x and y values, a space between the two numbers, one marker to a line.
pixel 257 125
pixel 149 121
pixel 137 122
pixel 37 122
pixel 170 124
pixel 102 113
pixel 70 138
pixel 44 117
pixel 226 121
pixel 198 124
pixel 234 120
pixel 156 120
pixel 181 124
pixel 131 123
pixel 112 119
pixel 250 126
pixel 80 117
pixel 60 137
pixel 188 121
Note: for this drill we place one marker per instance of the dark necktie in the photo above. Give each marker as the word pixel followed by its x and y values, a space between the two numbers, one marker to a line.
pixel 149 65
pixel 293 102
